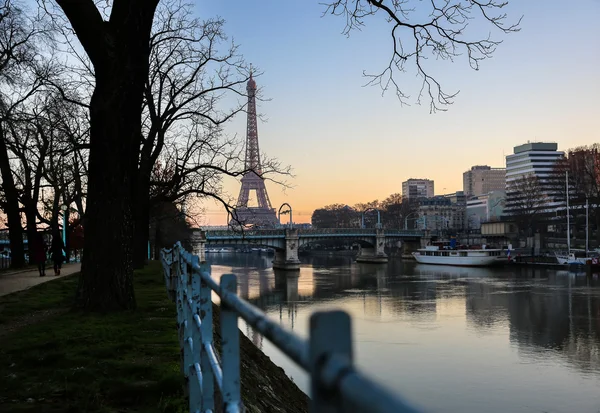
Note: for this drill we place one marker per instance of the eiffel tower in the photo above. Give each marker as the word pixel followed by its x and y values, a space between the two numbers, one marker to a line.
pixel 262 215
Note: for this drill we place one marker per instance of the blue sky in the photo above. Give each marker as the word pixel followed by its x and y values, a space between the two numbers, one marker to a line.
pixel 349 144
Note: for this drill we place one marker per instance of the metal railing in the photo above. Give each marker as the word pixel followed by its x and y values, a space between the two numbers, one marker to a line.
pixel 245 233
pixel 336 385
pixel 4 262
pixel 280 233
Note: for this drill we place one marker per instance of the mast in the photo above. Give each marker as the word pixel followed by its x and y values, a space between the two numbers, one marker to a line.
pixel 568 218
pixel 587 238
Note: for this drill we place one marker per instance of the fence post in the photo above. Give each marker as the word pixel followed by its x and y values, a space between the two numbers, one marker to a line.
pixel 230 349
pixel 195 375
pixel 176 280
pixel 206 330
pixel 330 332
pixel 187 320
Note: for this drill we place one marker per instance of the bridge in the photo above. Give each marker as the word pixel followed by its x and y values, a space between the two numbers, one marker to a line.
pixel 286 241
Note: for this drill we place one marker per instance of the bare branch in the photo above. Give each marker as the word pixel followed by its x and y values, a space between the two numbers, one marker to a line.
pixel 417 34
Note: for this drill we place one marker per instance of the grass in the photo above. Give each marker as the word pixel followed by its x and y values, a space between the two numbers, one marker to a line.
pixel 57 294
pixel 73 362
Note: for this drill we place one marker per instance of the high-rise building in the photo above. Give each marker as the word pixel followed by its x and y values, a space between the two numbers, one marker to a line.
pixel 535 160
pixel 417 188
pixel 482 179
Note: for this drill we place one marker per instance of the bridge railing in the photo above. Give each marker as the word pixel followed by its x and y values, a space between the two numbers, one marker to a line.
pixel 303 232
pixel 406 232
pixel 336 384
pixel 246 233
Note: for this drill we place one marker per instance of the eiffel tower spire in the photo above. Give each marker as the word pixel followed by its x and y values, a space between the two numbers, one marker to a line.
pixel 263 214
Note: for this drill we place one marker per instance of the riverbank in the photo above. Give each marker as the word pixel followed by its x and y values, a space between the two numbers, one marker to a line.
pixel 58 360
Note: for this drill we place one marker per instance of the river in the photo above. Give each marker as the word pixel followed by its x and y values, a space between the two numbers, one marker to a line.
pixel 448 339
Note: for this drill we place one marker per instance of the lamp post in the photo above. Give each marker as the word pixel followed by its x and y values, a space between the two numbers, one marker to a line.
pixel 406 219
pixel 289 211
pixel 587 226
pixel 64 229
pixel 362 217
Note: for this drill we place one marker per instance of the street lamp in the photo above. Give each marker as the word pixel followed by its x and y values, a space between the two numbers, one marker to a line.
pixel 64 229
pixel 362 217
pixel 286 212
pixel 406 219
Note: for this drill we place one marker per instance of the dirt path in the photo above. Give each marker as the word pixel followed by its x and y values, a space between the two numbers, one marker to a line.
pixel 17 281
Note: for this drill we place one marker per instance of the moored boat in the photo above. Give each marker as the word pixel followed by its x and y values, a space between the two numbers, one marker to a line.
pixel 570 259
pixel 462 257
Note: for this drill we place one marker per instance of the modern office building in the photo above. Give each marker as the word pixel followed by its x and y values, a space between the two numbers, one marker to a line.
pixel 536 161
pixel 485 208
pixel 417 188
pixel 457 198
pixel 482 179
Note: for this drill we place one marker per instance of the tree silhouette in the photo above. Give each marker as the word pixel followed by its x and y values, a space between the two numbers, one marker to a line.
pixel 436 30
pixel 527 201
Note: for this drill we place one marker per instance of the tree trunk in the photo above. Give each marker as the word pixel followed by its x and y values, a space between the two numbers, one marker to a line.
pixel 106 281
pixel 121 69
pixel 13 216
pixel 31 225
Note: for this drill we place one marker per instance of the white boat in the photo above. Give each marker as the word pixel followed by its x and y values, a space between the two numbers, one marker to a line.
pixel 570 259
pixel 462 257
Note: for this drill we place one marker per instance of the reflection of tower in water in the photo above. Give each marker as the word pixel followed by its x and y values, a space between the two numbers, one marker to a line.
pixel 373 303
pixel 244 287
pixel 291 297
pixel 287 284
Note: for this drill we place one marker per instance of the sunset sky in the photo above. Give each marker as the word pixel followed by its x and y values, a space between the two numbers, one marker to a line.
pixel 348 144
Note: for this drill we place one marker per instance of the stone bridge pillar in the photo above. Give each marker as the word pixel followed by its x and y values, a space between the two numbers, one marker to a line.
pixel 199 244
pixel 288 259
pixel 426 239
pixel 377 253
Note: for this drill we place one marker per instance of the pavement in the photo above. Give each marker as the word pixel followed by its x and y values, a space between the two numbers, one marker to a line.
pixel 11 282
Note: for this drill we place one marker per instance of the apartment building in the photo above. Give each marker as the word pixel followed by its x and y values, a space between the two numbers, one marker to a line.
pixel 439 213
pixel 417 188
pixel 483 179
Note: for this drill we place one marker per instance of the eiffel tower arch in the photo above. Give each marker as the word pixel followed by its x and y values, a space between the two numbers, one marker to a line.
pixel 262 215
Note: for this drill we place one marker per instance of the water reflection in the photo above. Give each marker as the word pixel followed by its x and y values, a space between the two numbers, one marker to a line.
pixel 454 320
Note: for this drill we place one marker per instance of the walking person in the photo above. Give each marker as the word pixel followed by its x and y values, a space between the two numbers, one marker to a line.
pixel 57 253
pixel 38 252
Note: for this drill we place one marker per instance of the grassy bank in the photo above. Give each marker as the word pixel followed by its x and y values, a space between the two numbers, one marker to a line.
pixel 56 360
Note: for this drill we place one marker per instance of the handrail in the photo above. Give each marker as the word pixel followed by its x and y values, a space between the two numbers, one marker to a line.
pixel 307 232
pixel 336 385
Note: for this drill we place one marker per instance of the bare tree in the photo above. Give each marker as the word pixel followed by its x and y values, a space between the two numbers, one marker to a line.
pixel 116 38
pixel 189 76
pixel 64 170
pixel 20 76
pixel 438 29
pixel 527 201
pixel 396 209
pixel 583 167
pixel 194 165
pixel 336 216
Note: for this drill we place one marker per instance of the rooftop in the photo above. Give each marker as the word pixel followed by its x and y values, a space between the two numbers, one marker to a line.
pixel 536 146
